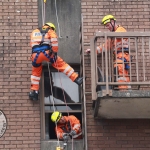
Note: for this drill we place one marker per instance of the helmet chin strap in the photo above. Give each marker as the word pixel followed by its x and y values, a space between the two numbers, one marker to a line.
pixel 113 26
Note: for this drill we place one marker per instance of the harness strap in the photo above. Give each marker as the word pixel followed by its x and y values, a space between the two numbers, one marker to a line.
pixel 68 126
pixel 41 48
pixel 34 61
pixel 43 32
pixel 127 67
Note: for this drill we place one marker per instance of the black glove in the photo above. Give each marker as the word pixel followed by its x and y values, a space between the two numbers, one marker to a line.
pixel 72 133
pixel 53 57
pixel 65 136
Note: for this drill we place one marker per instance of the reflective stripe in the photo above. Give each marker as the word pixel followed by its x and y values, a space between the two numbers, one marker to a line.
pixel 67 68
pixel 35 77
pixel 98 50
pixel 46 40
pixel 129 86
pixel 54 39
pixel 54 44
pixel 103 49
pixel 76 126
pixel 34 82
pixel 37 40
pixel 70 73
pixel 75 136
pixel 125 44
pixel 121 78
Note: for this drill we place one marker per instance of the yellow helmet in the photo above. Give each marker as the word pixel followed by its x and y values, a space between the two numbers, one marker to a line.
pixel 51 25
pixel 107 19
pixel 55 117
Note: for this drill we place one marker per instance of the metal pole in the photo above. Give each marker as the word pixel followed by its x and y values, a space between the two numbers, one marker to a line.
pixel 84 98
pixel 106 64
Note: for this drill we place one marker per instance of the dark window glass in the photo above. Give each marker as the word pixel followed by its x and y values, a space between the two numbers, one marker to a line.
pixel 60 94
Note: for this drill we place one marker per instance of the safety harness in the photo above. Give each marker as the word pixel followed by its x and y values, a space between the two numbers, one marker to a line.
pixel 125 50
pixel 113 26
pixel 42 48
pixel 68 127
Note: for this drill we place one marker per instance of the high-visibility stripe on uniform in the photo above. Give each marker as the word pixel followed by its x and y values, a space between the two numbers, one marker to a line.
pixel 76 126
pixel 35 82
pixel 129 86
pixel 124 44
pixel 36 40
pixel 98 49
pixel 54 44
pixel 39 40
pixel 121 78
pixel 66 69
pixel 70 72
pixel 54 40
pixel 47 40
pixel 35 77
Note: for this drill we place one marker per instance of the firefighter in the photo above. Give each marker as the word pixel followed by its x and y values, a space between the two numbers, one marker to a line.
pixel 67 126
pixel 120 69
pixel 44 44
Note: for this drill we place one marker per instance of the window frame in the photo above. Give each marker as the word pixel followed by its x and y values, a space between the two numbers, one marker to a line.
pixel 42 102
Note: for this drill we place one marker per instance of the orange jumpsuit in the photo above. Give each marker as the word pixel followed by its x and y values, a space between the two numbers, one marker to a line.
pixel 72 123
pixel 122 69
pixel 45 48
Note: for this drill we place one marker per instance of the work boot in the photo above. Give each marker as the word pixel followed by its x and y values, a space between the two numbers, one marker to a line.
pixel 33 95
pixel 79 80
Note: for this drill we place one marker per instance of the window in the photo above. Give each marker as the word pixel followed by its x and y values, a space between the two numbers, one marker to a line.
pixel 63 96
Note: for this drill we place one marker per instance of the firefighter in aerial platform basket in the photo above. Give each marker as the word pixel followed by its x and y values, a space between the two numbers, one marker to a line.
pixel 117 45
pixel 44 43
pixel 67 126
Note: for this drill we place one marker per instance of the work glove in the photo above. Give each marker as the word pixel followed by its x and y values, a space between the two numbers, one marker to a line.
pixel 53 57
pixel 72 133
pixel 65 136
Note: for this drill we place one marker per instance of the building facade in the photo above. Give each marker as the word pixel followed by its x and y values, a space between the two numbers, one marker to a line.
pixel 24 122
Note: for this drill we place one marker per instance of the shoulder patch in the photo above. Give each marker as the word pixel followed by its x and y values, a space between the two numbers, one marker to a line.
pixel 37 34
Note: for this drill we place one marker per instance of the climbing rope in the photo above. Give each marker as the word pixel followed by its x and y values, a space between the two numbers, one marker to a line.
pixel 63 96
pixel 58 142
pixel 64 100
pixel 57 20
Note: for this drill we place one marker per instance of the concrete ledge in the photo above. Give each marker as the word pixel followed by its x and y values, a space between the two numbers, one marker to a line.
pixel 122 108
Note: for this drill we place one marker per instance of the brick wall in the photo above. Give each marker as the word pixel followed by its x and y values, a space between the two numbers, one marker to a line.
pixel 115 134
pixel 17 19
